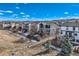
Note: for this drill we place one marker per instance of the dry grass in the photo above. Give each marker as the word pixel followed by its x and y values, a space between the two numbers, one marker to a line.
pixel 9 46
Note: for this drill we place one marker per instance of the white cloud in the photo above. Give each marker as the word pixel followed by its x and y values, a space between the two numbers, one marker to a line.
pixel 66 13
pixel 14 15
pixel 21 13
pixel 17 7
pixel 24 16
pixel 7 11
pixel 27 15
pixel 76 17
pixel 61 18
pixel 68 16
pixel 1 13
pixel 17 17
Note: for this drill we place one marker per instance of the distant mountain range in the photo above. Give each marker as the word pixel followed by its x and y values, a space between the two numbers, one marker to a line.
pixel 61 20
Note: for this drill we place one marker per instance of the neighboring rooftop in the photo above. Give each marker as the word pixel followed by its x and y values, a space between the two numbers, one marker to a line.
pixel 70 24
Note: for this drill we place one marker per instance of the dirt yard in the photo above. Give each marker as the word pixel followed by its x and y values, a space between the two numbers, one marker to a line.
pixel 9 48
pixel 7 45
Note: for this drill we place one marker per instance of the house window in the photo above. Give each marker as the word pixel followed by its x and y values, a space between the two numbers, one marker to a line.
pixel 66 27
pixel 75 34
pixel 61 32
pixel 66 32
pixel 73 39
pixel 70 34
pixel 77 40
pixel 41 25
pixel 47 26
pixel 73 28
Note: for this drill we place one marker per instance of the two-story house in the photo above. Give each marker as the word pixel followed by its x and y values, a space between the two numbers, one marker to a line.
pixel 71 29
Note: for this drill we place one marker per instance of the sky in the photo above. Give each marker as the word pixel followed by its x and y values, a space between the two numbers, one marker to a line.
pixel 38 11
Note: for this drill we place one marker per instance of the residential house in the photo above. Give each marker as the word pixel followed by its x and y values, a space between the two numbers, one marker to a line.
pixel 71 29
pixel 48 27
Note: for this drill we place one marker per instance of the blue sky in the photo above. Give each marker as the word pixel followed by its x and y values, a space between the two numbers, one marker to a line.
pixel 38 11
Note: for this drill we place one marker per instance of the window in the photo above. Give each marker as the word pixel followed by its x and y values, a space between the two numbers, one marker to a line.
pixel 77 40
pixel 66 27
pixel 73 28
pixel 75 34
pixel 73 39
pixel 61 32
pixel 66 32
pixel 70 34
pixel 47 26
pixel 41 25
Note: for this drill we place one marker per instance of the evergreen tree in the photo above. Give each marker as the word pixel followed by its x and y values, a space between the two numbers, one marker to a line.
pixel 67 46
